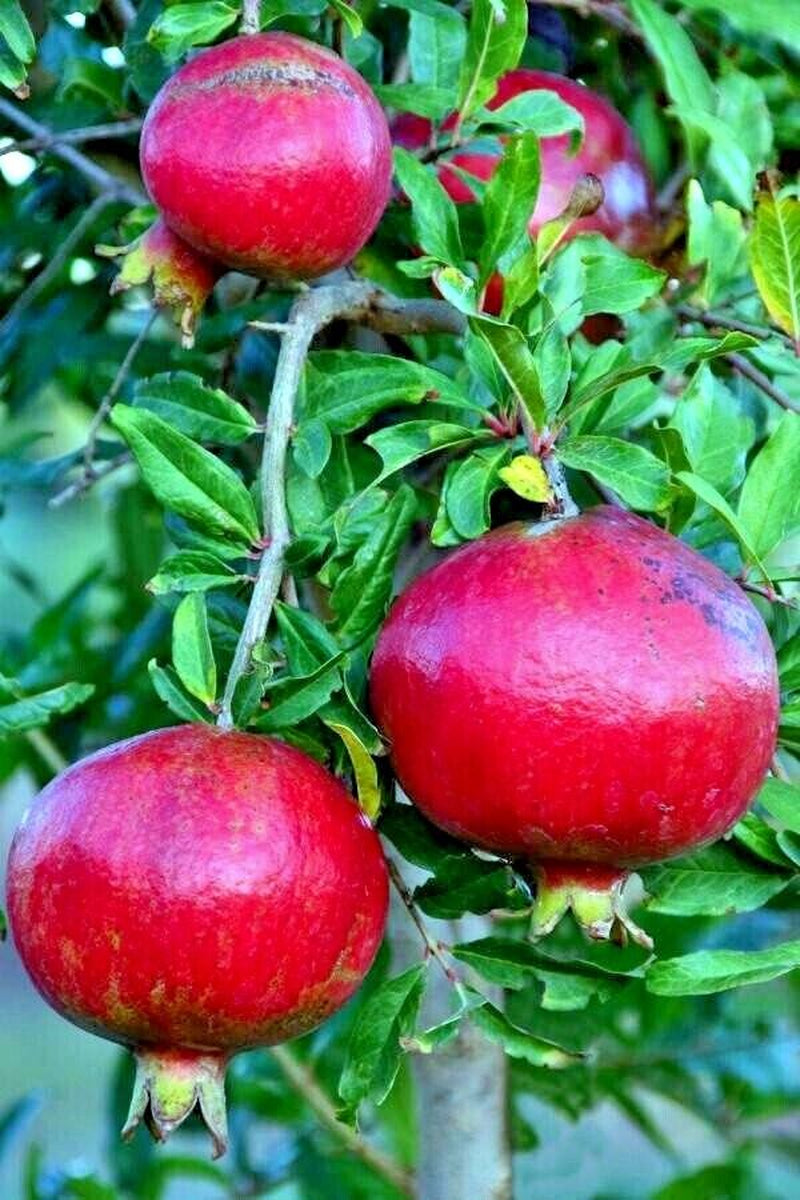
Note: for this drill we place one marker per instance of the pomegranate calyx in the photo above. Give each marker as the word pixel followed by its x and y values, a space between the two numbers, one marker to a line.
pixel 599 899
pixel 181 277
pixel 168 1086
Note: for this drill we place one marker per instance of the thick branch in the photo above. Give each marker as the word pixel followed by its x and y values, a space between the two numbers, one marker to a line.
pixel 96 175
pixel 251 16
pixel 304 1081
pixel 311 312
pixel 741 365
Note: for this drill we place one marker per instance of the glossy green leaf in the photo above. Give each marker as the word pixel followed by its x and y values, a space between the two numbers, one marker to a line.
pixel 399 445
pixel 168 688
pixel 512 353
pixel 182 26
pixel 192 652
pixel 192 571
pixel 636 475
pixel 374 1050
pixel 710 971
pixel 541 112
pixel 187 478
pixel 711 496
pixel 364 769
pixel 293 699
pixel 782 800
pixel 203 413
pixel 775 259
pixel 433 212
pixel 494 46
pixel 711 882
pixel 31 712
pixel 518 1043
pixel 17 32
pixel 471 487
pixel 510 200
pixel 769 504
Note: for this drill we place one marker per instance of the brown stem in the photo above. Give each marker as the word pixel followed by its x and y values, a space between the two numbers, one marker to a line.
pixel 717 320
pixel 432 946
pixel 768 593
pixel 71 137
pixel 304 1081
pixel 741 365
pixel 85 482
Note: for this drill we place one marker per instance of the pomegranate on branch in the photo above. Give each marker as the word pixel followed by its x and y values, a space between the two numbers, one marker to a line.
pixel 587 695
pixel 191 893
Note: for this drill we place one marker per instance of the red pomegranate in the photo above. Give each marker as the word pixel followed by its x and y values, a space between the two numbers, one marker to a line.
pixel 270 154
pixel 587 694
pixel 609 150
pixel 191 893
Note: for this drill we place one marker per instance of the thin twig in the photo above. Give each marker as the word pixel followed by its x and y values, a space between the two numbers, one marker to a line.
pixel 672 187
pixel 354 301
pixel 106 404
pixel 251 16
pixel 768 593
pixel 46 276
pixel 97 176
pixel 47 750
pixel 608 11
pixel 304 1081
pixel 85 482
pixel 717 320
pixel 432 946
pixel 763 382
pixel 72 137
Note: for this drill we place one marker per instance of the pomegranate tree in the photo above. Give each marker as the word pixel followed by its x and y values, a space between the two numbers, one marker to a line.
pixel 609 151
pixel 587 695
pixel 270 154
pixel 191 893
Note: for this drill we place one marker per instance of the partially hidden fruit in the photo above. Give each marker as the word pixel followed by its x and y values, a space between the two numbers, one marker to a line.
pixel 585 695
pixel 609 151
pixel 181 278
pixel 270 154
pixel 191 893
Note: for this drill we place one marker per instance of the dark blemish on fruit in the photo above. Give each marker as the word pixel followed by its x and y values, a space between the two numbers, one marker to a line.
pixel 293 76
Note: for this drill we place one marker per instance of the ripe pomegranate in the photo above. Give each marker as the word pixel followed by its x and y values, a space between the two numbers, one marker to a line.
pixel 191 893
pixel 609 151
pixel 270 154
pixel 587 694
pixel 182 279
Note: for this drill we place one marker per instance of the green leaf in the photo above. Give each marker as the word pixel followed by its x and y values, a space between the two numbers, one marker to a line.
pixel 715 433
pixel 717 238
pixel 470 885
pixel 712 882
pixel 770 18
pixel 782 800
pixel 769 504
pixel 399 445
pixel 364 769
pixel 726 155
pixel 374 1051
pixel 518 1043
pixel 526 476
pixel 521 282
pixel 168 688
pixel 203 413
pixel 17 32
pixel 470 490
pixel 775 259
pixel 761 840
pixel 421 98
pixel 510 349
pixel 30 712
pixel 345 389
pixel 192 571
pixel 350 17
pixel 307 643
pixel 94 81
pixel 615 282
pixel 509 200
pixel 494 46
pixel 192 652
pixel 436 47
pixel 541 112
pixel 187 478
pixel 710 971
pixel 13 74
pixel 295 699
pixel 362 592
pixel 636 475
pixel 569 984
pixel 182 26
pixel 554 365
pixel 434 214
pixel 711 496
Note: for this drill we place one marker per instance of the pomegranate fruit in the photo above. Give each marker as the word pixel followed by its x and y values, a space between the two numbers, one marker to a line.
pixel 182 279
pixel 191 893
pixel 270 154
pixel 586 694
pixel 609 151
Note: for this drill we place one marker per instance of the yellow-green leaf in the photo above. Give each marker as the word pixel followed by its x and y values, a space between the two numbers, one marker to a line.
pixel 364 769
pixel 775 259
pixel 526 476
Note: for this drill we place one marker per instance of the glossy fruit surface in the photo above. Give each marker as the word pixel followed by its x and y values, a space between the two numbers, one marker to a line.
pixel 270 154
pixel 585 690
pixel 191 893
pixel 609 150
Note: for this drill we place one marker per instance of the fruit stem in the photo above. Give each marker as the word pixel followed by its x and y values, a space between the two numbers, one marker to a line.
pixel 598 898
pixel 168 1086
pixel 251 16
pixel 312 311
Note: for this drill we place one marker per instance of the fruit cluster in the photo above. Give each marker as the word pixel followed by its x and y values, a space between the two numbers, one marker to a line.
pixel 580 695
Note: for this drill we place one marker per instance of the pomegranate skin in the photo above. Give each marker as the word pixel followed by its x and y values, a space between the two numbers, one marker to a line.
pixel 587 691
pixel 196 889
pixel 609 150
pixel 270 154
